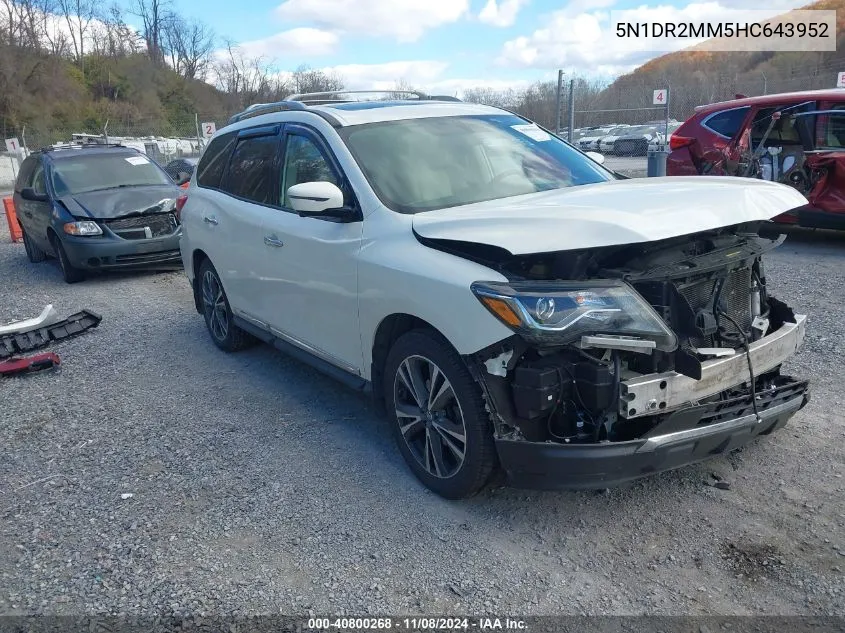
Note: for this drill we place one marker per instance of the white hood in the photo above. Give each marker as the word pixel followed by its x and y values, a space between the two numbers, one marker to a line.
pixel 610 213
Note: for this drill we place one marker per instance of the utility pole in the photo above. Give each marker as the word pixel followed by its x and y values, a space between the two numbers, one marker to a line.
pixel 571 108
pixel 559 100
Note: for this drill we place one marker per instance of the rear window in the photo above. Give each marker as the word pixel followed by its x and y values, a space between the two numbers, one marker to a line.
pixel 250 174
pixel 726 123
pixel 213 162
pixel 80 174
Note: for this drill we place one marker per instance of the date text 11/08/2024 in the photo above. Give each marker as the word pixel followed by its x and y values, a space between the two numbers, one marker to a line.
pixel 415 624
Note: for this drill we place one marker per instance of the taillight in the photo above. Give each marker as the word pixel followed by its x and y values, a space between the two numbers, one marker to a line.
pixel 180 202
pixel 677 142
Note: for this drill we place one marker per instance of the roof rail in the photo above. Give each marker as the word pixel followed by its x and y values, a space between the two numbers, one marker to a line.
pixel 331 96
pixel 257 109
pixel 52 148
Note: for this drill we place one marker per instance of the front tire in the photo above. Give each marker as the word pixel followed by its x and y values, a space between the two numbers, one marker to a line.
pixel 438 416
pixel 218 315
pixel 33 252
pixel 70 273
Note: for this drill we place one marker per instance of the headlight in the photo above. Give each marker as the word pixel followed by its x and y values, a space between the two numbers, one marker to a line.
pixel 84 227
pixel 557 313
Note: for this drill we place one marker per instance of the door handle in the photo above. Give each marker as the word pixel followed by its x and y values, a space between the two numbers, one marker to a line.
pixel 209 220
pixel 272 240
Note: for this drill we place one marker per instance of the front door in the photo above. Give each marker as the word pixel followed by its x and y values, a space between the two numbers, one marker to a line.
pixel 310 264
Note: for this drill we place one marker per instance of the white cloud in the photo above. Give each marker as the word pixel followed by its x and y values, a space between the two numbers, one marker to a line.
pixel 500 13
pixel 418 73
pixel 581 36
pixel 304 41
pixel 401 20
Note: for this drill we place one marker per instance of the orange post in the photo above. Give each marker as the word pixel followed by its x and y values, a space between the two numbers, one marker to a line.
pixel 12 219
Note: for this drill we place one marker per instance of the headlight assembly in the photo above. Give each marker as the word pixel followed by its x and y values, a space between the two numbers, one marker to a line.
pixel 558 313
pixel 83 227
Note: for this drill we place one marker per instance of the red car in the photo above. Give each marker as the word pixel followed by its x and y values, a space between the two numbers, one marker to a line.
pixel 796 138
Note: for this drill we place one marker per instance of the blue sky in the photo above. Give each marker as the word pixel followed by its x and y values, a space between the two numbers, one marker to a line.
pixel 445 45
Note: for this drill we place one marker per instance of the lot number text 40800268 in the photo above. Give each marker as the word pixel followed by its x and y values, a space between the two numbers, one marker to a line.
pixel 415 624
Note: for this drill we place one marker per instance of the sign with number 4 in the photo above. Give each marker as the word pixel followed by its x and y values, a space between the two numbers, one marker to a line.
pixel 12 145
pixel 840 80
pixel 661 97
pixel 208 129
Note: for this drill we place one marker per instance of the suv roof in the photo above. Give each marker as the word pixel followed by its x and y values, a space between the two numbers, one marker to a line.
pixel 835 94
pixel 341 112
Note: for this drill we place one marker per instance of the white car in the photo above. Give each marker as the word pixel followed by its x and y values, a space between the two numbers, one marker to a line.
pixel 590 141
pixel 605 143
pixel 511 303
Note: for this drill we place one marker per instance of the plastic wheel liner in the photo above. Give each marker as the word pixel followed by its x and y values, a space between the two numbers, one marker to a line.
pixel 24 342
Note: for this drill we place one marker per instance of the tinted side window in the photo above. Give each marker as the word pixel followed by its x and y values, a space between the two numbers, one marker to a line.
pixel 250 174
pixel 304 162
pixel 727 123
pixel 213 161
pixel 38 184
pixel 25 174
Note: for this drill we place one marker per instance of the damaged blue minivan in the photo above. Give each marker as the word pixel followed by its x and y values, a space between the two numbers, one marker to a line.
pixel 97 207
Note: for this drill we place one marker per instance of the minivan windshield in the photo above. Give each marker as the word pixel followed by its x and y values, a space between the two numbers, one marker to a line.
pixel 433 163
pixel 80 174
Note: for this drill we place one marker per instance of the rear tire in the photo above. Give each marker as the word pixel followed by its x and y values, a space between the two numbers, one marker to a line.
pixel 217 313
pixel 438 416
pixel 33 251
pixel 70 273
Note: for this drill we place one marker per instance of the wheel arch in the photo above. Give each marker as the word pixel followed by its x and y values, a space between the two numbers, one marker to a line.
pixel 387 333
pixel 197 258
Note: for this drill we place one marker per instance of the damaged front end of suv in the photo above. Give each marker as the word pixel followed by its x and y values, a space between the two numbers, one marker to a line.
pixel 633 359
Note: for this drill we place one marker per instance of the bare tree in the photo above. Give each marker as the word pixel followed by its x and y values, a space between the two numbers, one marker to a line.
pixel 189 47
pixel 155 15
pixel 79 15
pixel 249 79
pixel 307 79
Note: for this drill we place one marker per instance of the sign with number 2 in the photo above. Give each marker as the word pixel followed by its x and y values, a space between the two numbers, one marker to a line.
pixel 208 129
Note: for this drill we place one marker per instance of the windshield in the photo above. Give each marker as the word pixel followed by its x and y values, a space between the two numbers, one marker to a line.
pixel 432 163
pixel 81 174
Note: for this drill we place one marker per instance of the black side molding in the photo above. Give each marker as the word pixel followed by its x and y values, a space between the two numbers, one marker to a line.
pixel 349 379
pixel 24 342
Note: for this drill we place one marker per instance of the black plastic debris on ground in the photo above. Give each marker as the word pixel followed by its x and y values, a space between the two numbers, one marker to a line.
pixel 24 342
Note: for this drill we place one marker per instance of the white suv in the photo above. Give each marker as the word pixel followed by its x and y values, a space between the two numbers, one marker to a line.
pixel 514 305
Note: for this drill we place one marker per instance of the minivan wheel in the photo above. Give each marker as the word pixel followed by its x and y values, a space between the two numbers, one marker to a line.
pixel 438 416
pixel 218 315
pixel 33 252
pixel 70 273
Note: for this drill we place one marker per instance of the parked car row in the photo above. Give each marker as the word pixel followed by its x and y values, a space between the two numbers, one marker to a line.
pixel 623 140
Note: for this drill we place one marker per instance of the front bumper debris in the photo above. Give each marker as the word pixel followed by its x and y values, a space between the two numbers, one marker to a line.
pixel 551 465
pixel 48 316
pixel 660 393
pixel 24 342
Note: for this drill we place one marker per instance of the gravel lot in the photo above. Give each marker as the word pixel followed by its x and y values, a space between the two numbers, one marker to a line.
pixel 259 486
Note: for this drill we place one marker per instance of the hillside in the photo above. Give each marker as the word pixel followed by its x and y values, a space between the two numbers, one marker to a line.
pixel 696 77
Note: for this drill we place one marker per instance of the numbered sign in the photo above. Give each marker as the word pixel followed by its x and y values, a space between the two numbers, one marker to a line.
pixel 12 145
pixel 661 97
pixel 208 129
pixel 840 82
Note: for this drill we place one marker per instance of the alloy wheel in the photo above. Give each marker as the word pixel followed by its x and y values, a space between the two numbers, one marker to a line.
pixel 215 305
pixel 429 416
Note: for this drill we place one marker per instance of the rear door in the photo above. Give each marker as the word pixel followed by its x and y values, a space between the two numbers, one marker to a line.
pixel 251 186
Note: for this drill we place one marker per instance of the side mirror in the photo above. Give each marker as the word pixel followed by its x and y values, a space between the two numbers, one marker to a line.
pixel 315 197
pixel 28 193
pixel 599 158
